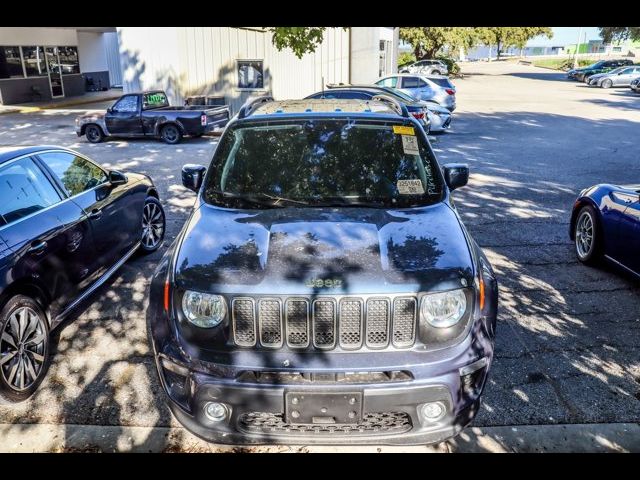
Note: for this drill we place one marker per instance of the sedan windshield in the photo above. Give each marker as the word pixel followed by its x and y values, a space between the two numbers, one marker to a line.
pixel 323 163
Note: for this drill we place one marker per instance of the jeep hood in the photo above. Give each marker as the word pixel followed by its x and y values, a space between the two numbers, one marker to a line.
pixel 323 251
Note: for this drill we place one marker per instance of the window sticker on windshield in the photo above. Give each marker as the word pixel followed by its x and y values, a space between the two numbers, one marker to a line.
pixel 410 187
pixel 410 145
pixel 403 130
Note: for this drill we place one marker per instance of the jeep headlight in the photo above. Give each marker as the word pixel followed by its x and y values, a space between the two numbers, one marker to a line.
pixel 202 309
pixel 443 309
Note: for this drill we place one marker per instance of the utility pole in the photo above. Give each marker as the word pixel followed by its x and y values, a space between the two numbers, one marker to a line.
pixel 575 58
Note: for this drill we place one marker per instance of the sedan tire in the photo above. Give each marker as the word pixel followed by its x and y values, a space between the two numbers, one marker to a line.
pixel 24 348
pixel 153 225
pixel 606 83
pixel 587 241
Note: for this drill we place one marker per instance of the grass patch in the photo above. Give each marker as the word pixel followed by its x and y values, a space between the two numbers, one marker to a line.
pixel 562 63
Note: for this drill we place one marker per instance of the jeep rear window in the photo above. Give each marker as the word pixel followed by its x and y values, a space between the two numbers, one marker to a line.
pixel 322 163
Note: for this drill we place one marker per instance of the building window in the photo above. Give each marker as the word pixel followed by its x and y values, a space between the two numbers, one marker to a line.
pixel 250 74
pixel 34 62
pixel 69 60
pixel 10 63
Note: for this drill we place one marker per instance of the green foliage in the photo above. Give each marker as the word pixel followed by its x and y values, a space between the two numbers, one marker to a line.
pixel 505 37
pixel 428 41
pixel 405 58
pixel 299 39
pixel 612 34
pixel 451 64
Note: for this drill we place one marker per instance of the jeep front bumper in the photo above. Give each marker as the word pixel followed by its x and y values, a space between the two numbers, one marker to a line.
pixel 389 412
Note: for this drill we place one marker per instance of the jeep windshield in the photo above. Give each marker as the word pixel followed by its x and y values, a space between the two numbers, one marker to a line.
pixel 302 163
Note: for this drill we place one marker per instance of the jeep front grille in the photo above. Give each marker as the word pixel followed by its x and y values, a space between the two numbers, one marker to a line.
pixel 270 322
pixel 349 322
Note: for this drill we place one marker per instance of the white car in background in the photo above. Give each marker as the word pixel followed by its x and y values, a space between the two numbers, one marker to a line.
pixel 437 88
pixel 426 67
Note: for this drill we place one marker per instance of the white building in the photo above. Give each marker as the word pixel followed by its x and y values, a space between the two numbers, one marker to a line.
pixel 239 62
pixel 38 64
pixel 45 63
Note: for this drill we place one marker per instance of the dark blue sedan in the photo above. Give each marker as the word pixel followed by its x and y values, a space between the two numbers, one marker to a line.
pixel 605 222
pixel 66 225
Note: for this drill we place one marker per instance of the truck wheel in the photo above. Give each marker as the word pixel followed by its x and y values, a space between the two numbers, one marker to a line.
pixel 94 133
pixel 153 225
pixel 170 134
pixel 24 348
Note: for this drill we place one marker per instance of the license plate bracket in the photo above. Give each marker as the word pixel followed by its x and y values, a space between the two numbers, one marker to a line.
pixel 323 408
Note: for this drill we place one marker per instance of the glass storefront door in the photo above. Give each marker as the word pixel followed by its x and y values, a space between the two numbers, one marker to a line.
pixel 55 72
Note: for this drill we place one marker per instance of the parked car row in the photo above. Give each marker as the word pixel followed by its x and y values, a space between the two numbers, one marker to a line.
pixel 607 73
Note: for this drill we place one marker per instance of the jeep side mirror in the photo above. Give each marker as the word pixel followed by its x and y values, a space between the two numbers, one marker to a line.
pixel 117 178
pixel 192 176
pixel 456 175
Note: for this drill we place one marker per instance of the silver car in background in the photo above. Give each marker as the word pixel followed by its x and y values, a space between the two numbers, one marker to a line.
pixel 440 117
pixel 426 67
pixel 437 88
pixel 619 77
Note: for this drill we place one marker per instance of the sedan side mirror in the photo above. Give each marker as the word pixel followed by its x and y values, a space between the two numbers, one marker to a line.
pixel 117 178
pixel 109 110
pixel 192 176
pixel 456 175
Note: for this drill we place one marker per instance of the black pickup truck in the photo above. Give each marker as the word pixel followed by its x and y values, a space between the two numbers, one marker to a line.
pixel 148 114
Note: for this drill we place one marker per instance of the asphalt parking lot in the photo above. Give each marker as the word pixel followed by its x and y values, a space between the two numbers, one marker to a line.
pixel 568 346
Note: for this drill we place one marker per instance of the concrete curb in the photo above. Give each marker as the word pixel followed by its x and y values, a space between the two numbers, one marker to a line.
pixel 610 437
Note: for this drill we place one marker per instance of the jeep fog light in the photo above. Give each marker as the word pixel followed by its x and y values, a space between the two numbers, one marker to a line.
pixel 214 411
pixel 433 411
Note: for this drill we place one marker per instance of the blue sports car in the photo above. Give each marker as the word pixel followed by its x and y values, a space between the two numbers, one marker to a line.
pixel 605 222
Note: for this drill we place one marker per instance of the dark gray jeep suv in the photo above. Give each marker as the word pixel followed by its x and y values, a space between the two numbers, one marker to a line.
pixel 324 288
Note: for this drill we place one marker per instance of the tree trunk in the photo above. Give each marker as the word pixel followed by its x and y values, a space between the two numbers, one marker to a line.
pixel 417 52
pixel 498 53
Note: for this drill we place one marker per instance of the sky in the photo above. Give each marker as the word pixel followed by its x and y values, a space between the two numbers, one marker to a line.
pixel 565 36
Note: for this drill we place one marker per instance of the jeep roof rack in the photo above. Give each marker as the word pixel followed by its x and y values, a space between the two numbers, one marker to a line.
pixel 251 104
pixel 400 108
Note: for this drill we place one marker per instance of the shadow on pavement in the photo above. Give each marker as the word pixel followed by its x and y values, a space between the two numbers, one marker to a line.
pixel 553 76
pixel 568 335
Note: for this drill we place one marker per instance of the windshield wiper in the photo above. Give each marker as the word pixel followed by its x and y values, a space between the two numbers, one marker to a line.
pixel 258 198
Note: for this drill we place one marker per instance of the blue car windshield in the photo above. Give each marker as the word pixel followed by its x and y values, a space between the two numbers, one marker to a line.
pixel 323 163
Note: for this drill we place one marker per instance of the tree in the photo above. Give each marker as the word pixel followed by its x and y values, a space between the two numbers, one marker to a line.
pixel 505 37
pixel 610 34
pixel 299 39
pixel 428 41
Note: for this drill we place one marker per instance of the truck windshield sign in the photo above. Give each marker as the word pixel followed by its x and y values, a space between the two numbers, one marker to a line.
pixel 155 99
